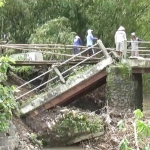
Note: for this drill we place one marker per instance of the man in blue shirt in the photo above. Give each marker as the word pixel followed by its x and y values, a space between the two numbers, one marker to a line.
pixel 90 38
pixel 76 43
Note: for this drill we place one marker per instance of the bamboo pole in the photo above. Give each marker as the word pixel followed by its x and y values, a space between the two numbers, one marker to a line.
pixel 45 52
pixel 48 48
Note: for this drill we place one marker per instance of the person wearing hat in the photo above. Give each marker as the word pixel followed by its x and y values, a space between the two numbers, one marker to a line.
pixel 76 43
pixel 134 45
pixel 90 39
pixel 120 36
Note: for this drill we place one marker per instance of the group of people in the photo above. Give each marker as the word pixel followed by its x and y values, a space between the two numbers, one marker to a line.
pixel 89 42
pixel 120 36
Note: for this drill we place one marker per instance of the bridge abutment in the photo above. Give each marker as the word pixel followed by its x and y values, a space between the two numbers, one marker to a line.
pixel 124 91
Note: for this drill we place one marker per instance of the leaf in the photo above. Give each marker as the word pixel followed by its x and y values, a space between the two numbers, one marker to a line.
pixel 123 144
pixel 120 124
pixel 146 148
pixel 138 114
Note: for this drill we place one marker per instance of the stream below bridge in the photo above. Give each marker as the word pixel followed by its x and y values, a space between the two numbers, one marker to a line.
pixel 65 148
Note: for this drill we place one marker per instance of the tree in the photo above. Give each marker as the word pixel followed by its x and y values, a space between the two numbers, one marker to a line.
pixel 53 31
pixel 22 18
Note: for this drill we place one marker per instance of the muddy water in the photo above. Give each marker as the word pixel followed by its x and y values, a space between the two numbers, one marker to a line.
pixel 65 148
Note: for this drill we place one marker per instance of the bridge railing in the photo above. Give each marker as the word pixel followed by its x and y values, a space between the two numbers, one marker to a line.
pixel 143 49
pixel 60 75
pixel 49 51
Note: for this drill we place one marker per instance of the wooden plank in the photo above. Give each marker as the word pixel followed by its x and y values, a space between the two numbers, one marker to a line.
pixel 33 63
pixel 49 63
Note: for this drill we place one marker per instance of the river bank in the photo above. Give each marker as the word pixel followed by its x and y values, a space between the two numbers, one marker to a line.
pixel 111 140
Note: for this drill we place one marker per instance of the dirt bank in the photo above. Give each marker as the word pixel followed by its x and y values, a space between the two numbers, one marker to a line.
pixel 25 137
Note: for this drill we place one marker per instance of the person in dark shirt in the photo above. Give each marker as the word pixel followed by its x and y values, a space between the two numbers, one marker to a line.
pixel 76 43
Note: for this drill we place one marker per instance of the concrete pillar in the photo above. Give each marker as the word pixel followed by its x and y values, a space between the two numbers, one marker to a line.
pixel 124 92
pixel 137 79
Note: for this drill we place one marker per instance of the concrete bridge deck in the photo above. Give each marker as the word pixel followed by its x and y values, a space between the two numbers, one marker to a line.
pixel 83 87
pixel 73 88
pixel 80 84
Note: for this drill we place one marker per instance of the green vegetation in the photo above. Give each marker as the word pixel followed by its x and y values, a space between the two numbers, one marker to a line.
pixel 124 69
pixel 2 2
pixel 33 138
pixel 74 124
pixel 24 71
pixel 56 21
pixel 7 103
pixel 23 19
pixel 49 33
pixel 141 132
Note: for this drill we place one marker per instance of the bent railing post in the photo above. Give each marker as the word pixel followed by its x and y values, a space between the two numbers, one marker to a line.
pixel 124 53
pixel 104 50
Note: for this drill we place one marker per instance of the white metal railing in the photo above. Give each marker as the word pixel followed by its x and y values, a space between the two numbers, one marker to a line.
pixel 52 69
pixel 56 76
pixel 87 58
pixel 143 51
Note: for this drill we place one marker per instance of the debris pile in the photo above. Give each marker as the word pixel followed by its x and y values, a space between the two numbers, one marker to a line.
pixel 66 126
pixel 122 131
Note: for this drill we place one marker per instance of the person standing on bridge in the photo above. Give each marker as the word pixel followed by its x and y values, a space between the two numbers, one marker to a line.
pixel 134 45
pixel 90 39
pixel 76 43
pixel 120 36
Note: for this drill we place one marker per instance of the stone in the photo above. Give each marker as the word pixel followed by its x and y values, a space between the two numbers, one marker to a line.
pixel 123 93
pixel 2 134
pixel 31 146
pixel 3 148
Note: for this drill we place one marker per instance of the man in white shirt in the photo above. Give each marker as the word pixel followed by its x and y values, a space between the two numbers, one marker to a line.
pixel 120 36
pixel 134 45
